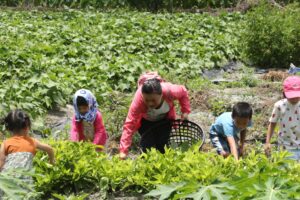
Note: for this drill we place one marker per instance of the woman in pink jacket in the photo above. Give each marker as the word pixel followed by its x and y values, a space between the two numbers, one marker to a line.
pixel 87 124
pixel 153 104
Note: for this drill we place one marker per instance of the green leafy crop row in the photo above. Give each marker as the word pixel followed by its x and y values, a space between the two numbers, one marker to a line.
pixel 80 168
pixel 47 56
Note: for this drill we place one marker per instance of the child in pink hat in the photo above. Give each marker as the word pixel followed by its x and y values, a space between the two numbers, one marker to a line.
pixel 286 112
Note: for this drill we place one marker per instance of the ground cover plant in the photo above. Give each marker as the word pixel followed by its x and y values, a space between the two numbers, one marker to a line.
pixel 46 56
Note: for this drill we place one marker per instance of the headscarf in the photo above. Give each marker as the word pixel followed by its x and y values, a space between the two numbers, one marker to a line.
pixel 92 103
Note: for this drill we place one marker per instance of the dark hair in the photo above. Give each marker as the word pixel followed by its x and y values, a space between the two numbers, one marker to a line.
pixel 80 101
pixel 152 86
pixel 242 109
pixel 284 96
pixel 17 120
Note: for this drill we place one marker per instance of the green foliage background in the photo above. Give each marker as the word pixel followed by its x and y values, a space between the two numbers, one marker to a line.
pixel 46 56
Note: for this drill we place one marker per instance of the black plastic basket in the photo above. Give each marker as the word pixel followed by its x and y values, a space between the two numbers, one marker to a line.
pixel 183 133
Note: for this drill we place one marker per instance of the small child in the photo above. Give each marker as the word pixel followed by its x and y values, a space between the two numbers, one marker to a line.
pixel 224 132
pixel 87 124
pixel 287 113
pixel 19 150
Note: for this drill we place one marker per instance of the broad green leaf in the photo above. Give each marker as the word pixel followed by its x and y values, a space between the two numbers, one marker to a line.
pixel 164 191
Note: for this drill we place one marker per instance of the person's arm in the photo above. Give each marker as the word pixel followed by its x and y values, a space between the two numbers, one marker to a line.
pixel 131 124
pixel 2 156
pixel 46 148
pixel 100 135
pixel 233 147
pixel 242 141
pixel 180 93
pixel 74 134
pixel 185 116
pixel 270 132
pixel 273 121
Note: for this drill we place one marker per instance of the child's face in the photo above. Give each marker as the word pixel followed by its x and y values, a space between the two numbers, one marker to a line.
pixel 83 109
pixel 152 100
pixel 241 122
pixel 294 100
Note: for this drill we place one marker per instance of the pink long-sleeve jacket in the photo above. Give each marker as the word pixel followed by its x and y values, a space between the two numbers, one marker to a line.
pixel 100 135
pixel 138 110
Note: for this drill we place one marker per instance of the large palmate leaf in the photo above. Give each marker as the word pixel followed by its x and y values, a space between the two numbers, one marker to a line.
pixel 207 192
pixel 274 189
pixel 14 187
pixel 165 191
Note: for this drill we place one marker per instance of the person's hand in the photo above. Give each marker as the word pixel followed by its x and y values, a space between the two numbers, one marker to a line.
pixel 185 116
pixel 53 162
pixel 122 156
pixel 268 148
pixel 224 154
pixel 241 150
pixel 99 148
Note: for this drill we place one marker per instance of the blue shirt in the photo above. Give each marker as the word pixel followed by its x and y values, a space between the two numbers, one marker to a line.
pixel 225 126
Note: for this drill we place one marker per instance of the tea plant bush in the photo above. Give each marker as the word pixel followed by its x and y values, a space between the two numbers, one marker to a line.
pixel 46 56
pixel 80 168
pixel 141 4
pixel 272 35
pixel 153 5
pixel 218 106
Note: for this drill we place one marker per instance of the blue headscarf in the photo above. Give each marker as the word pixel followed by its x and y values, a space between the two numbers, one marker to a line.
pixel 90 116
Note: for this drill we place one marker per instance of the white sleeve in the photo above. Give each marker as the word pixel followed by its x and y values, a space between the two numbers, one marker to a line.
pixel 275 114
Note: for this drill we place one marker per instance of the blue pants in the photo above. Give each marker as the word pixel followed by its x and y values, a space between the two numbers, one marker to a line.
pixel 294 70
pixel 296 154
pixel 220 143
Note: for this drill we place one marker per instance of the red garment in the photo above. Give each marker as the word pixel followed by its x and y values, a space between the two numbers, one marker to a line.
pixel 100 135
pixel 138 110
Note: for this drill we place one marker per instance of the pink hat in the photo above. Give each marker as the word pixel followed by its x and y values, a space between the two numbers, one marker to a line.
pixel 291 87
